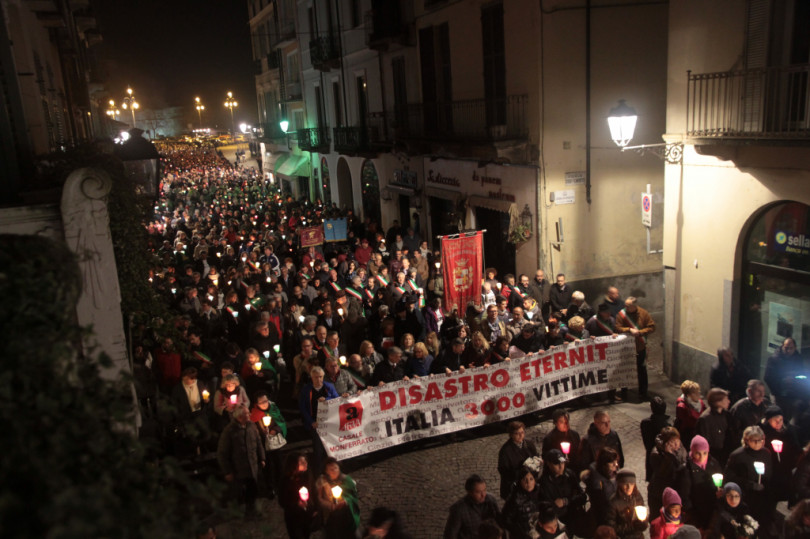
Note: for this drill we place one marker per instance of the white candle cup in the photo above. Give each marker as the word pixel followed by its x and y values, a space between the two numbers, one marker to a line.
pixel 641 512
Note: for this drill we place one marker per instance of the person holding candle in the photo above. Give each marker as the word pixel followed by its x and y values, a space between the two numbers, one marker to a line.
pixel 339 507
pixel 562 433
pixel 340 378
pixel 781 441
pixel 297 497
pixel 651 428
pixel 600 435
pixel 258 372
pixel 467 514
pixel 191 402
pixel 623 512
pixel 750 409
pixel 267 417
pixel 731 511
pixel 228 397
pixel 512 455
pixel 750 466
pixel 699 484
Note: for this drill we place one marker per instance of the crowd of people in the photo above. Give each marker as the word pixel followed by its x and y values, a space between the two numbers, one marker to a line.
pixel 265 327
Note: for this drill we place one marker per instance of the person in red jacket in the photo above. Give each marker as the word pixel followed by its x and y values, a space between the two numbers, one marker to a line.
pixel 169 365
pixel 669 521
pixel 688 409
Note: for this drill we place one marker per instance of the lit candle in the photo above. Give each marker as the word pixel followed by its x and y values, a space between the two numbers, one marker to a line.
pixel 267 420
pixel 641 512
pixel 268 279
pixel 311 263
pixel 303 492
pixel 566 447
pixel 276 348
pixel 336 492
pixel 438 265
pixel 340 311
pixel 499 285
pixel 266 354
pixel 216 281
pixel 301 319
pixel 760 469
pixel 234 398
pixel 257 366
pixel 342 360
pixel 777 446
pixel 206 394
pixel 718 479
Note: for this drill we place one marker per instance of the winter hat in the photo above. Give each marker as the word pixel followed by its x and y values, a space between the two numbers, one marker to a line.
pixel 686 532
pixel 699 443
pixel 554 456
pixel 625 475
pixel 732 486
pixel 772 411
pixel 671 497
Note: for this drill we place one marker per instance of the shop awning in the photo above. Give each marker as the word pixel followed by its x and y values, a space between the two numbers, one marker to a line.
pixel 271 159
pixel 489 203
pixel 293 165
pixel 455 196
pixel 401 190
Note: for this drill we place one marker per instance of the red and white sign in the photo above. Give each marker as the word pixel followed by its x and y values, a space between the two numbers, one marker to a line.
pixel 646 209
pixel 462 261
pixel 403 411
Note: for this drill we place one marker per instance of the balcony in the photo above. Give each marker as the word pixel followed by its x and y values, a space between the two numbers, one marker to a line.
pixel 284 33
pixel 364 140
pixel 385 26
pixel 314 139
pixel 461 121
pixel 324 52
pixel 272 131
pixel 765 104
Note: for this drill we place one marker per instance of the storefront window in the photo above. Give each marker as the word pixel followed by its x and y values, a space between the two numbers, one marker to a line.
pixel 775 284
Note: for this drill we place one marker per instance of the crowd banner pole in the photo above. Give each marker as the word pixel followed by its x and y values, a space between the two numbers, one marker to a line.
pixel 403 411
pixel 462 266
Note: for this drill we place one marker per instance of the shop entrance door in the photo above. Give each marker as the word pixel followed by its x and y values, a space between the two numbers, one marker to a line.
pixel 498 252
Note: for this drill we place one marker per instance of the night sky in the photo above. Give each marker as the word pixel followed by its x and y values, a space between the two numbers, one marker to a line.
pixel 170 51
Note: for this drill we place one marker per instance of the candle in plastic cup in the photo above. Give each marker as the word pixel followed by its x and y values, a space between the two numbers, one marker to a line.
pixel 266 354
pixel 641 512
pixel 276 348
pixel 718 479
pixel 336 492
pixel 499 286
pixel 234 398
pixel 566 447
pixel 205 395
pixel 759 467
pixel 777 445
pixel 342 360
pixel 267 420
pixel 340 312
pixel 257 366
pixel 303 493
pixel 301 319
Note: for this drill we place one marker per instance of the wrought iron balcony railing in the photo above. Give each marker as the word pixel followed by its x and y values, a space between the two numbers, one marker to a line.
pixel 314 139
pixel 766 103
pixel 324 52
pixel 469 120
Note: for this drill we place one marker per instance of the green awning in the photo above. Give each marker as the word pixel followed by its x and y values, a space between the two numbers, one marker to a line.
pixel 280 160
pixel 293 165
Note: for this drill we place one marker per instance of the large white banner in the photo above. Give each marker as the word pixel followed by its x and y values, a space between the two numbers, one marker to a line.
pixel 402 411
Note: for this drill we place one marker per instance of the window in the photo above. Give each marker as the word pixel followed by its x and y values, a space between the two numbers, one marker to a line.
pixel 362 100
pixel 354 13
pixel 437 87
pixel 494 64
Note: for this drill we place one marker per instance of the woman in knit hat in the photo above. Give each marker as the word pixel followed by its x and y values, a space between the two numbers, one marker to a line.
pixel 621 513
pixel 696 485
pixel 784 460
pixel 732 512
pixel 669 519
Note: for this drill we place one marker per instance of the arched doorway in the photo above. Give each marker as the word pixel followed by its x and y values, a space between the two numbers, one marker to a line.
pixel 344 184
pixel 371 192
pixel 325 187
pixel 775 295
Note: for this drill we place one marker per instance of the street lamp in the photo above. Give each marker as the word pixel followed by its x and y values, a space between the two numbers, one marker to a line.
pixel 131 104
pixel 111 111
pixel 200 108
pixel 231 103
pixel 622 124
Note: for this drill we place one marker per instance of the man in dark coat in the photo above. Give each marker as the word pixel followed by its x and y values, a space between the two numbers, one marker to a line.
pixel 729 374
pixel 560 295
pixel 750 410
pixel 467 514
pixel 391 369
pixel 241 455
pixel 600 435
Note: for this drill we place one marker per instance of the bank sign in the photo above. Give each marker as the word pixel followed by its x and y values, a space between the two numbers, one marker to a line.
pixel 788 242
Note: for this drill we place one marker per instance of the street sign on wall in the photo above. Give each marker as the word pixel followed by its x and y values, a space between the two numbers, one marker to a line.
pixel 646 209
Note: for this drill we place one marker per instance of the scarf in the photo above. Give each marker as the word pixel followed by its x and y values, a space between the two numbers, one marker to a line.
pixel 703 465
pixel 695 405
pixel 670 519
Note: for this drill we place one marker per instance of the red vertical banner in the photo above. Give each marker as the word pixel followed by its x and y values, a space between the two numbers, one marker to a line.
pixel 462 262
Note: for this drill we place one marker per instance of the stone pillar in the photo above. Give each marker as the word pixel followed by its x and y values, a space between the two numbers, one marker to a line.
pixel 87 233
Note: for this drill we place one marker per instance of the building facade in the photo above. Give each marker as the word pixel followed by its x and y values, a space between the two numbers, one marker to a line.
pixel 736 247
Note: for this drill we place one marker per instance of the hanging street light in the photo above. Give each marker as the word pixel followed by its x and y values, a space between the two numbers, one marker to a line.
pixel 200 107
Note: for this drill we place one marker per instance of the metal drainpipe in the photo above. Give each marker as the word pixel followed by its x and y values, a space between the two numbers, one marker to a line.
pixel 588 101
